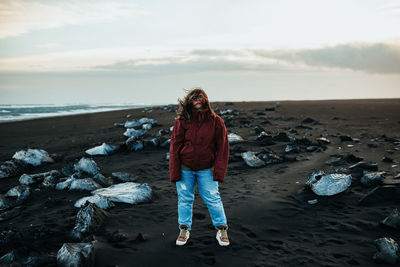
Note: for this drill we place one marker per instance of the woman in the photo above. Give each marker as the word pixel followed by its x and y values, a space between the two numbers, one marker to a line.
pixel 199 152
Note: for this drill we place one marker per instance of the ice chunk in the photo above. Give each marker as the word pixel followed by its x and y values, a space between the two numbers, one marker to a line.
pixel 252 160
pixel 33 157
pixel 135 146
pixel 27 179
pixel 228 111
pixel 75 254
pixel 134 133
pixel 87 165
pixel 147 126
pixel 388 250
pixel 104 149
pixel 234 138
pixel 393 220
pixel 10 168
pixel 84 184
pixel 128 192
pixel 64 184
pixel 21 192
pixel 372 178
pixel 88 220
pixel 100 201
pixel 328 184
pixel 124 176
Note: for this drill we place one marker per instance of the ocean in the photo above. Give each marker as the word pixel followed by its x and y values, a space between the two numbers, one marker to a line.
pixel 30 111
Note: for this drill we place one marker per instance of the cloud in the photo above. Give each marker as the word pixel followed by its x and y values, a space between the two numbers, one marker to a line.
pixel 372 58
pixel 18 16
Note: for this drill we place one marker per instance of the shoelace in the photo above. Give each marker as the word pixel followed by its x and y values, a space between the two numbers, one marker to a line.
pixel 224 234
pixel 183 233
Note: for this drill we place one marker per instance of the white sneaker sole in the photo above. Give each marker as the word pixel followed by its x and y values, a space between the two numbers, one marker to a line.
pixel 221 243
pixel 181 243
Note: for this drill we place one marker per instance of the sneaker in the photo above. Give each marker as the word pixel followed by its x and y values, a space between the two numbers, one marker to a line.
pixel 183 236
pixel 222 235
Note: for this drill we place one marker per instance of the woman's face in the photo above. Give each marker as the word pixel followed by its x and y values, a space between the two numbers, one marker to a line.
pixel 197 102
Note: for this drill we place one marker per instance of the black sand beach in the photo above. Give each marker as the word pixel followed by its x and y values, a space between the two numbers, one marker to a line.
pixel 270 221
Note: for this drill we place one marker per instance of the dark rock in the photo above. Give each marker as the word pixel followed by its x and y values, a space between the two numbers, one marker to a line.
pixel 76 254
pixel 303 127
pixel 345 138
pixel 388 251
pixel 291 149
pixel 308 120
pixel 387 159
pixel 269 109
pixel 281 137
pixel 258 129
pixel 393 220
pixel 363 165
pixel 372 178
pixel 372 145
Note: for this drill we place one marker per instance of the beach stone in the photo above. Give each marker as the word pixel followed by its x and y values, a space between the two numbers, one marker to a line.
pixel 258 129
pixel 393 220
pixel 89 219
pixel 103 149
pixel 87 165
pixel 34 157
pixel 303 141
pixel 372 178
pixel 234 138
pixel 124 176
pixel 281 137
pixel 270 158
pixel 387 159
pixel 328 184
pixel 344 138
pixel 76 254
pixel 252 160
pixel 388 251
pixel 265 139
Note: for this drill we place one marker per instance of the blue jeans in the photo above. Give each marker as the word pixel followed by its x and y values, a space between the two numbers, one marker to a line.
pixel 208 189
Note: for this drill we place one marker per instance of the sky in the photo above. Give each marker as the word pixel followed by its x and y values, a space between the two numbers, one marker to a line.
pixel 148 52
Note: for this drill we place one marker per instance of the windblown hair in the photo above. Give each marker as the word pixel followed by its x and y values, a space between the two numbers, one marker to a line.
pixel 185 106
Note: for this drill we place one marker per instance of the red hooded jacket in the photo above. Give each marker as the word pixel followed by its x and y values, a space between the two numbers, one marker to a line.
pixel 199 144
